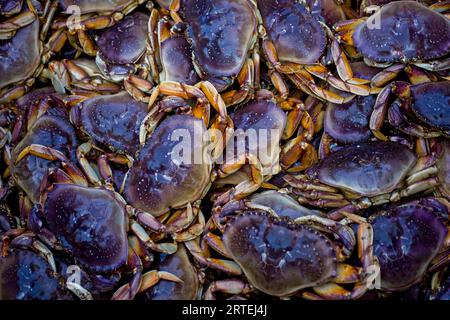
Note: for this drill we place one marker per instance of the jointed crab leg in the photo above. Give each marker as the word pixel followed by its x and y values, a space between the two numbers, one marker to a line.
pixel 202 257
pixel 129 290
pixel 229 286
pixel 52 154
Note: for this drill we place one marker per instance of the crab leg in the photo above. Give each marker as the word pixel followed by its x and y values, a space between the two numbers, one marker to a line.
pixel 9 27
pixel 229 286
pixel 52 154
pixel 129 290
pixel 104 168
pixel 156 34
pixel 216 243
pixel 301 81
pixel 140 232
pixel 12 94
pixel 418 76
pixel 202 257
pixel 246 187
pixel 437 65
pixel 181 219
pixel 193 231
pixel 90 173
pixel 315 193
pixel 380 110
pixel 388 74
pixel 325 146
pixel 145 255
pixel 441 7
pixel 294 150
pixel 345 30
pixel 246 81
pixel 151 278
pixel 296 117
pixel 86 43
pixel 323 73
pixel 279 84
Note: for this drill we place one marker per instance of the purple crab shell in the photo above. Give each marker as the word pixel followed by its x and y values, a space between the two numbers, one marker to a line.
pixel 10 7
pixel 406 239
pixel 49 130
pixel 431 104
pixel 169 171
pixel 176 58
pixel 89 223
pixel 24 275
pixel 179 265
pixel 366 169
pixel 330 11
pixel 409 32
pixel 349 122
pixel 113 120
pixel 126 41
pixel 20 55
pixel 279 258
pixel 221 33
pixel 296 34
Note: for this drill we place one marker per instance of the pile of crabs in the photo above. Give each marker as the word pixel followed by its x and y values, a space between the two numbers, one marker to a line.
pixel 347 198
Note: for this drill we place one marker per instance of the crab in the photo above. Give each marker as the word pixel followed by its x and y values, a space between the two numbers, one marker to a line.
pixel 281 256
pixel 301 62
pixel 18 15
pixel 410 239
pixel 122 47
pixel 223 36
pixel 348 123
pixel 46 124
pixel 146 185
pixel 120 140
pixel 411 34
pixel 85 16
pixel 22 56
pixel 174 54
pixel 28 270
pixel 91 224
pixel 362 175
pixel 260 126
pixel 366 6
pixel 81 77
pixel 120 53
pixel 178 264
pixel 420 110
pixel 20 61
